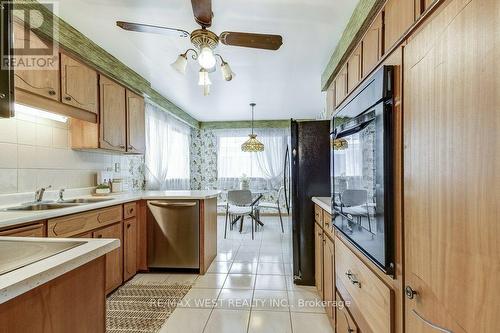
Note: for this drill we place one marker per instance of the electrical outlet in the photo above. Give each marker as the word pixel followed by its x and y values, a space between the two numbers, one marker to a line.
pixel 117 167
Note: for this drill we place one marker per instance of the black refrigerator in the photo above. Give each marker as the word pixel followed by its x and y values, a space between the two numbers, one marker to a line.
pixel 309 177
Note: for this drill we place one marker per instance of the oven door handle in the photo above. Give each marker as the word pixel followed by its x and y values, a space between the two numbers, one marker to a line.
pixel 349 131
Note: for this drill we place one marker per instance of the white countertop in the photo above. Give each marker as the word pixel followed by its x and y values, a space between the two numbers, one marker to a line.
pixel 13 218
pixel 23 279
pixel 324 202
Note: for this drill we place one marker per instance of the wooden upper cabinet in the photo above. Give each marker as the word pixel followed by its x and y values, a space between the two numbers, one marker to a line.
pixel 372 46
pixel 330 99
pixel 114 259
pixel 129 248
pixel 78 84
pixel 42 82
pixel 136 126
pixel 399 16
pixel 341 86
pixel 354 69
pixel 112 134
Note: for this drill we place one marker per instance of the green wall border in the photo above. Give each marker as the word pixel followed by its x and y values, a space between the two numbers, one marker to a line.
pixel 361 18
pixel 245 124
pixel 86 50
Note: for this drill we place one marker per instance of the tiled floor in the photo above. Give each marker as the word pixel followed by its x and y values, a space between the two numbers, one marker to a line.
pixel 248 288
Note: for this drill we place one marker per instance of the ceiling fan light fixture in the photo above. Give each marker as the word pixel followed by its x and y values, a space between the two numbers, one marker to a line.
pixel 227 73
pixel 204 78
pixel 206 58
pixel 180 64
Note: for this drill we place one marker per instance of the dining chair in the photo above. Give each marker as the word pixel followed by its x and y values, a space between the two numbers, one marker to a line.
pixel 273 205
pixel 355 203
pixel 239 205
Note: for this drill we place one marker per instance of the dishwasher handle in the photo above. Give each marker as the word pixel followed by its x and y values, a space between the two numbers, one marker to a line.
pixel 172 204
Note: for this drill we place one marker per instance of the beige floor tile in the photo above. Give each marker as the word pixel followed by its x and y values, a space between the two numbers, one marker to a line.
pixel 310 322
pixel 270 282
pixel 270 322
pixel 210 280
pixel 235 299
pixel 200 298
pixel 305 301
pixel 271 300
pixel 240 281
pixel 243 268
pixel 219 267
pixel 186 321
pixel 227 321
pixel 270 268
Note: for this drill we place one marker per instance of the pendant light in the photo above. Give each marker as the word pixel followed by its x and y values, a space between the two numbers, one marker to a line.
pixel 252 145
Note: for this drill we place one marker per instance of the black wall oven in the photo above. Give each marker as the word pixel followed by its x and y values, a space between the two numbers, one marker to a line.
pixel 361 169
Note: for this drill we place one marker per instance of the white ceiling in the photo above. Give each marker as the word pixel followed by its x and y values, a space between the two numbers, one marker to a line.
pixel 284 83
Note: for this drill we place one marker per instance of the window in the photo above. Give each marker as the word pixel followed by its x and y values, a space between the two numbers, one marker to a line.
pixel 265 169
pixel 167 151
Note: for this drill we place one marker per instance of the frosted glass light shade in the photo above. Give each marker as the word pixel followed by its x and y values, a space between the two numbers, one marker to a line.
pixel 180 64
pixel 227 73
pixel 203 78
pixel 206 59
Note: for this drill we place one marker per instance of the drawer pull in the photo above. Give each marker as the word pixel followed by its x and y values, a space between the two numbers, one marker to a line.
pixel 436 327
pixel 353 279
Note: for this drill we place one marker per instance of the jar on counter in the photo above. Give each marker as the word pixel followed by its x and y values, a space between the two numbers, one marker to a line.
pixel 117 185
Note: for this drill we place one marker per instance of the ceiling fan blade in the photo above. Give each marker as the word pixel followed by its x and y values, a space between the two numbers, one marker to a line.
pixel 256 41
pixel 154 29
pixel 202 10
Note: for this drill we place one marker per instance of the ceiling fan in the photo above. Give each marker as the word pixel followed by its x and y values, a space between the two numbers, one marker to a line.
pixel 206 41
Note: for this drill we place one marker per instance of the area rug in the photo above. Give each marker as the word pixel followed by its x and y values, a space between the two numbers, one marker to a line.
pixel 142 306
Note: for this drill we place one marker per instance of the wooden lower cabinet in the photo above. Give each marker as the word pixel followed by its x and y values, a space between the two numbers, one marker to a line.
pixel 73 302
pixel 318 258
pixel 114 259
pixel 32 230
pixel 129 248
pixel 329 277
pixel 344 322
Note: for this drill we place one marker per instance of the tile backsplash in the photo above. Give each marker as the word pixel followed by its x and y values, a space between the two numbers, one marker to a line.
pixel 35 152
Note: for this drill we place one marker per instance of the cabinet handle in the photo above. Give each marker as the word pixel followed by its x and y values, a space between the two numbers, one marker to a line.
pixel 410 293
pixel 52 92
pixel 122 146
pixel 128 225
pixel 353 278
pixel 67 98
pixel 434 326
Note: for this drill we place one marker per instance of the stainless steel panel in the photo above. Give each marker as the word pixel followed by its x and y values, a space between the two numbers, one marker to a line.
pixel 17 254
pixel 173 234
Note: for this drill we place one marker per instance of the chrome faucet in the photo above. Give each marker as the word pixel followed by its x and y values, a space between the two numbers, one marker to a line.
pixel 39 193
pixel 61 195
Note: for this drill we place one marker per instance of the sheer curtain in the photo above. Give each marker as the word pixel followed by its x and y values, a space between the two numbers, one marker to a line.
pixel 265 169
pixel 168 142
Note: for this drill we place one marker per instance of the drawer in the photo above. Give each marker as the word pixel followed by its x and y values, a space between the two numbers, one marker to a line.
pixel 370 296
pixel 327 225
pixel 129 210
pixel 76 224
pixel 32 230
pixel 318 214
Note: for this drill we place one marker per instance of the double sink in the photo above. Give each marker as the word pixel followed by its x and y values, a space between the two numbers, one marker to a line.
pixel 49 205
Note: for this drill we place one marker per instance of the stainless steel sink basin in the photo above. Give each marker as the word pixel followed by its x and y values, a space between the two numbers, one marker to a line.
pixel 40 206
pixel 86 200
pixel 15 254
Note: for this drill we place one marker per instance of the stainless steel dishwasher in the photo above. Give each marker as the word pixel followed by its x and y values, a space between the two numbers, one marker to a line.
pixel 173 234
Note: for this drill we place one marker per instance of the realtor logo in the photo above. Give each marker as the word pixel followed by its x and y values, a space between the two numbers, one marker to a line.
pixel 33 36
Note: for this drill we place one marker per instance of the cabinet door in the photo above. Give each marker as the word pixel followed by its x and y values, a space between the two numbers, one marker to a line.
pixel 452 229
pixel 341 86
pixel 42 82
pixel 78 84
pixel 344 323
pixel 329 277
pixel 114 259
pixel 330 99
pixel 112 115
pixel 399 16
pixel 136 127
pixel 354 69
pixel 129 248
pixel 372 46
pixel 32 230
pixel 318 255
